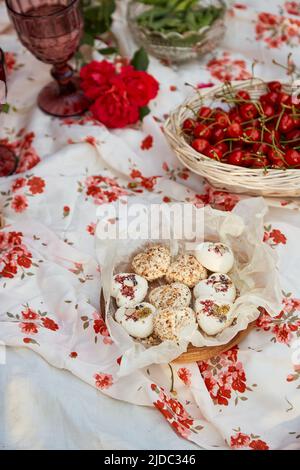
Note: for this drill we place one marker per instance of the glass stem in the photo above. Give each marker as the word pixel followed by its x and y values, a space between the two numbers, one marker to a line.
pixel 63 75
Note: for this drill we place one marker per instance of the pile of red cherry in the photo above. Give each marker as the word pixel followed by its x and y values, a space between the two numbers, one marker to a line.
pixel 263 133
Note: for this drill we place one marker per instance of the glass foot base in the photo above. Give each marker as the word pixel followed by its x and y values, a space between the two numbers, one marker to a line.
pixel 71 103
pixel 8 161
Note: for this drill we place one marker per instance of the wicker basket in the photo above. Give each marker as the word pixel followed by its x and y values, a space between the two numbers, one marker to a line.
pixel 231 178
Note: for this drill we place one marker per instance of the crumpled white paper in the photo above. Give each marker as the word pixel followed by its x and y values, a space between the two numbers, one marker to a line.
pixel 254 274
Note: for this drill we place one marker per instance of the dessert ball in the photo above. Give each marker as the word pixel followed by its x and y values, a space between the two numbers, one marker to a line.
pixel 128 289
pixel 153 262
pixel 216 257
pixel 168 323
pixel 219 286
pixel 186 270
pixel 138 320
pixel 174 295
pixel 213 316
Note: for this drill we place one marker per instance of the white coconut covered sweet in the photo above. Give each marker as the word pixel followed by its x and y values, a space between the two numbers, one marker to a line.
pixel 219 286
pixel 186 270
pixel 216 257
pixel 138 320
pixel 128 289
pixel 152 263
pixel 169 323
pixel 213 316
pixel 174 295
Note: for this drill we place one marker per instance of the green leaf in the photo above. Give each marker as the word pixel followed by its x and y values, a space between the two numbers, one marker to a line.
pixel 5 108
pixel 140 60
pixel 108 50
pixel 87 39
pixel 144 111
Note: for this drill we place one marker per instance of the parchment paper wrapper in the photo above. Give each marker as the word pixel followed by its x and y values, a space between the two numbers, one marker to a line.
pixel 254 274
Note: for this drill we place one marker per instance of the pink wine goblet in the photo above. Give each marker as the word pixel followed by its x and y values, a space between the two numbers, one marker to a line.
pixel 8 160
pixel 51 30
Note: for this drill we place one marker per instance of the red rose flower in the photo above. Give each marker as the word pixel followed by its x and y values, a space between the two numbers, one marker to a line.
pixel 141 87
pixel 50 324
pixel 113 108
pixel 96 78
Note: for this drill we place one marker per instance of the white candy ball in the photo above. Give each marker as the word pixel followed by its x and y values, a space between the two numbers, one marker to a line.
pixel 129 289
pixel 138 320
pixel 212 316
pixel 216 257
pixel 219 286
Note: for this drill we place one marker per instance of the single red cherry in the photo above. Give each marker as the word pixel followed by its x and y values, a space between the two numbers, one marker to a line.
pixel 234 115
pixel 235 130
pixel 274 86
pixel 285 99
pixel 261 162
pixel 272 98
pixel 271 137
pixel 218 134
pixel 188 125
pixel 237 145
pixel 252 134
pixel 202 131
pixel 205 112
pixel 275 156
pixel 243 95
pixel 222 118
pixel 201 145
pixel 240 158
pixel 261 149
pixel 268 109
pixel 286 123
pixel 292 158
pixel 294 136
pixel 248 111
pixel 222 146
pixel 215 153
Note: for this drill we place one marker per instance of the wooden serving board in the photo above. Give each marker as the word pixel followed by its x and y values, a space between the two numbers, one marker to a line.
pixel 194 354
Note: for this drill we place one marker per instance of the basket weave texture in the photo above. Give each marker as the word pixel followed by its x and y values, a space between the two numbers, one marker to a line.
pixel 230 178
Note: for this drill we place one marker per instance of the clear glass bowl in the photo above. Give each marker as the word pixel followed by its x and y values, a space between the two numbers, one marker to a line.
pixel 174 46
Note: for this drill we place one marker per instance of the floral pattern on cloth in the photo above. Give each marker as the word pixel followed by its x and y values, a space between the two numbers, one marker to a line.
pixel 225 378
pixel 15 258
pixel 67 169
pixel 276 30
pixel 24 150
